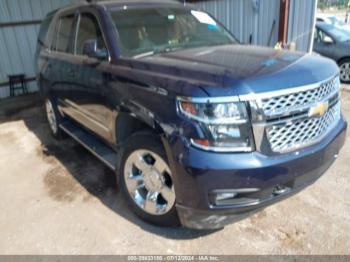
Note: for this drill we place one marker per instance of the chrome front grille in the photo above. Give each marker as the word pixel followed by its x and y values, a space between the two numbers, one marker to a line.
pixel 301 133
pixel 298 101
pixel 291 119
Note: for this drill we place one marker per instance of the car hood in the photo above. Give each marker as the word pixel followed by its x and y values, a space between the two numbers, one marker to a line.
pixel 347 27
pixel 237 69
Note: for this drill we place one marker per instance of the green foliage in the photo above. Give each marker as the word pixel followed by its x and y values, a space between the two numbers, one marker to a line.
pixel 340 4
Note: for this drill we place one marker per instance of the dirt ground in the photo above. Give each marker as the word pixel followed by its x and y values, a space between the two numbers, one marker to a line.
pixel 58 199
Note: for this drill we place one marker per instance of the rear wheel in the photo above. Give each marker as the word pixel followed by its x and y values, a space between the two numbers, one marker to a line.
pixel 344 66
pixel 53 118
pixel 146 180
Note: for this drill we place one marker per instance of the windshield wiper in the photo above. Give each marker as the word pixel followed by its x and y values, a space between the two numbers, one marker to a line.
pixel 148 53
pixel 160 50
pixel 169 49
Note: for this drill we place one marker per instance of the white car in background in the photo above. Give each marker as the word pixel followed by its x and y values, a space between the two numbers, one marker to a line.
pixel 333 20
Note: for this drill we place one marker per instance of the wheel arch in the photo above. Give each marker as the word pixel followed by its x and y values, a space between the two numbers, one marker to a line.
pixel 128 124
pixel 44 86
pixel 343 59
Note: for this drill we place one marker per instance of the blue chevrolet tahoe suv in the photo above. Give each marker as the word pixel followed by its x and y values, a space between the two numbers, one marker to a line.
pixel 200 130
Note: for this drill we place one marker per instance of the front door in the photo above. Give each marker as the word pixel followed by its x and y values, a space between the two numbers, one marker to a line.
pixel 89 103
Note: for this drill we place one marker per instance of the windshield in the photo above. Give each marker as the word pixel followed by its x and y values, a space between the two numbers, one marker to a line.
pixel 149 31
pixel 341 35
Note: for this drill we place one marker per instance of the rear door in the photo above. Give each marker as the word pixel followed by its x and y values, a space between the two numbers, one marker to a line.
pixel 62 59
pixel 43 64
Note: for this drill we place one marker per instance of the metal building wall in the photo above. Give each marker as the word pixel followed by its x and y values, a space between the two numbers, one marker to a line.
pixel 241 18
pixel 301 23
pixel 18 43
pixel 254 20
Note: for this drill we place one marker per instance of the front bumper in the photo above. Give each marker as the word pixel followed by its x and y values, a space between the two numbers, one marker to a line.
pixel 197 173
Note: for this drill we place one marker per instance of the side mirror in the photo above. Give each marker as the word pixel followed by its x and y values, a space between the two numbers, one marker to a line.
pixel 328 40
pixel 90 49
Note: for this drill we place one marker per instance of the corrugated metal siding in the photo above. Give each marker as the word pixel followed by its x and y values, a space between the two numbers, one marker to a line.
pixel 18 43
pixel 301 23
pixel 244 21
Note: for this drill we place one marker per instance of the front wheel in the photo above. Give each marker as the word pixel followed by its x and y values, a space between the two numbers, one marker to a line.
pixel 146 180
pixel 344 66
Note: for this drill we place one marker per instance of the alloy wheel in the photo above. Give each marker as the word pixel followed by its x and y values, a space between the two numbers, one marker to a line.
pixel 345 72
pixel 149 182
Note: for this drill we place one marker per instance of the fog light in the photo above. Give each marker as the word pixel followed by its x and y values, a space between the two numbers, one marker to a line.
pixel 231 197
pixel 225 196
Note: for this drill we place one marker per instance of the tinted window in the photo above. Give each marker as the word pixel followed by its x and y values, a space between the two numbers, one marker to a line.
pixel 153 30
pixel 89 29
pixel 64 34
pixel 320 36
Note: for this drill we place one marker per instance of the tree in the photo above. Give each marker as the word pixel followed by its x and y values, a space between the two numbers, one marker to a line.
pixel 322 4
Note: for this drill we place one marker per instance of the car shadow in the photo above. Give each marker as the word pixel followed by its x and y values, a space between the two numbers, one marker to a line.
pixel 82 168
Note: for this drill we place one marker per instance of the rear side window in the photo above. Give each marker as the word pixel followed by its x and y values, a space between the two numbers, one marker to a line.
pixel 89 29
pixel 65 32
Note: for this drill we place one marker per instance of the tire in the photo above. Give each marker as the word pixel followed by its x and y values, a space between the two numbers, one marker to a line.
pixel 54 118
pixel 344 66
pixel 146 181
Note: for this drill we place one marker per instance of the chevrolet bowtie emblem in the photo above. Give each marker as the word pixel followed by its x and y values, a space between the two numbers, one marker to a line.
pixel 319 110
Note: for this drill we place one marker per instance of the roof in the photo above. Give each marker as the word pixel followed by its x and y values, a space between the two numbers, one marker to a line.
pixel 122 3
pixel 118 3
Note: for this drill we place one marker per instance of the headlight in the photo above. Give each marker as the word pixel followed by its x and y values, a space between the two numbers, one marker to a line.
pixel 225 125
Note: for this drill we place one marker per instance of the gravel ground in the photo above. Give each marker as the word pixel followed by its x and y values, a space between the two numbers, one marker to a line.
pixel 58 199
